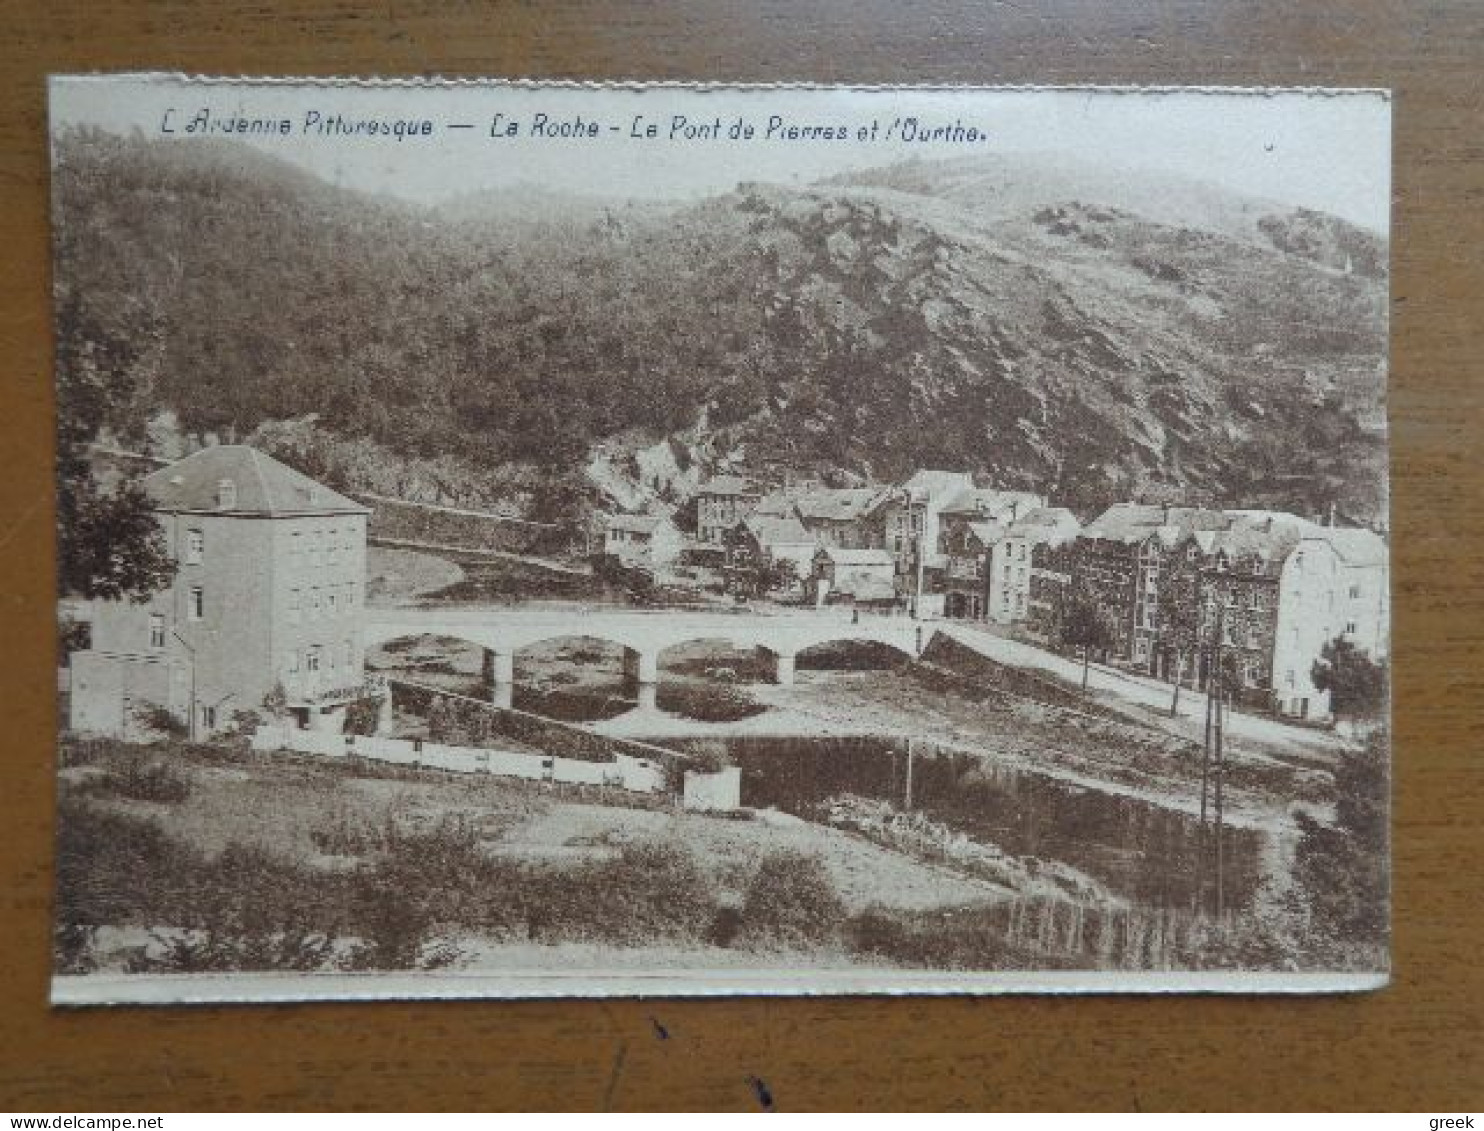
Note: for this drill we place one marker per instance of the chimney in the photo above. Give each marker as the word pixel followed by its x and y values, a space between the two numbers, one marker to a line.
pixel 1331 514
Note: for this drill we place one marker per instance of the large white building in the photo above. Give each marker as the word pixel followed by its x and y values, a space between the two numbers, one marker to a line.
pixel 268 593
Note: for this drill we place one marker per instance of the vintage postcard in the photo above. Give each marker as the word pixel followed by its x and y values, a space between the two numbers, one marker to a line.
pixel 526 539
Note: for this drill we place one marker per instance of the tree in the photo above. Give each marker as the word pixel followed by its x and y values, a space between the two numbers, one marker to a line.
pixel 442 719
pixel 1342 868
pixel 1355 682
pixel 108 542
pixel 1085 627
pixel 1179 605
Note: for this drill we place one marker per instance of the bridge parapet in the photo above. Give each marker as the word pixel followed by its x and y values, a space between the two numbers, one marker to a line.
pixel 508 631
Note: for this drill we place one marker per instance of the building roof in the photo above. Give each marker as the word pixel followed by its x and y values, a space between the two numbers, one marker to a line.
pixel 637 523
pixel 988 533
pixel 991 500
pixel 1264 539
pixel 261 485
pixel 836 504
pixel 858 557
pixel 1045 524
pixel 771 530
pixel 870 589
pixel 775 503
pixel 733 485
pixel 1133 522
pixel 936 486
pixel 1356 546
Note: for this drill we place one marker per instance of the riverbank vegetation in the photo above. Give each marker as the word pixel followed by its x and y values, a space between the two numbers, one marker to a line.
pixel 279 863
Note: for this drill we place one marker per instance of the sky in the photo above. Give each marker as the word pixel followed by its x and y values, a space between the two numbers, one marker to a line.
pixel 1324 150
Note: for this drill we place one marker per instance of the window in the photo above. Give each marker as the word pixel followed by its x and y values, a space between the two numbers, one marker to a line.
pixel 196 603
pixel 332 548
pixel 226 494
pixel 311 659
pixel 296 548
pixel 291 662
pixel 195 547
pixel 314 599
pixel 1350 628
pixel 330 656
pixel 208 717
pixel 350 595
pixel 293 606
pixel 156 630
pixel 331 601
pixel 345 654
pixel 1354 592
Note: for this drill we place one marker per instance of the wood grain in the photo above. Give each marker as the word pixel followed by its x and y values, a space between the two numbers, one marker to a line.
pixel 1414 1046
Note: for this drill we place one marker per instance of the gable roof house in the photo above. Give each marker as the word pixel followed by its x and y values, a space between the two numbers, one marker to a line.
pixel 840 516
pixel 863 576
pixel 643 541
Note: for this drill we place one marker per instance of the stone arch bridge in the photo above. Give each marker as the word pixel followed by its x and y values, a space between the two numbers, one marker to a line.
pixel 643 635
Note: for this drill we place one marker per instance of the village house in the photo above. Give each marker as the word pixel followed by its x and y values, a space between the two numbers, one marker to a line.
pixel 764 542
pixel 268 594
pixel 840 516
pixel 721 502
pixel 965 546
pixel 859 576
pixel 1010 557
pixel 643 541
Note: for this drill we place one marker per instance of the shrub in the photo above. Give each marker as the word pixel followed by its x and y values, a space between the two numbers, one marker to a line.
pixel 424 877
pixel 363 716
pixel 341 831
pixel 153 717
pixel 707 756
pixel 141 778
pixel 72 948
pixel 245 723
pixel 791 901
pixel 708 703
pixel 73 635
pixel 118 869
pixel 653 890
pixel 964 938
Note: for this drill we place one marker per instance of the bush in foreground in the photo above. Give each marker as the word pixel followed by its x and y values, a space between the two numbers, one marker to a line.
pixel 791 901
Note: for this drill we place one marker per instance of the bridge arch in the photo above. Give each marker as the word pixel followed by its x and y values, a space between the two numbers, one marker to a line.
pixel 896 648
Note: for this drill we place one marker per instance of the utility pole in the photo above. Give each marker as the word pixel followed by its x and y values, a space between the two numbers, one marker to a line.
pixel 907 799
pixel 1213 666
pixel 1220 769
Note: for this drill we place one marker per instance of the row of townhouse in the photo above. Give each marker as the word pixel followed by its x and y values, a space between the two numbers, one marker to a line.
pixel 1270 588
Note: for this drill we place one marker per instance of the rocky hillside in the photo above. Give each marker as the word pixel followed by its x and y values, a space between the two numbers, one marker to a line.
pixel 1042 324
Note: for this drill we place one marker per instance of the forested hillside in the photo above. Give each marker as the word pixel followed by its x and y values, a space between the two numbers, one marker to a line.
pixel 1015 320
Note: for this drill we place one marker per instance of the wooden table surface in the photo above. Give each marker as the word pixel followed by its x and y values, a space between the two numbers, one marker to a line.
pixel 1415 1046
